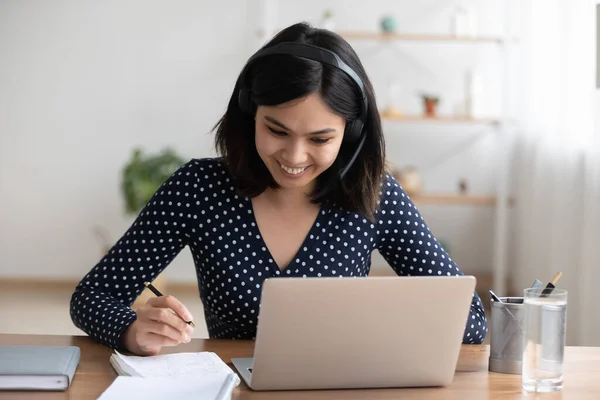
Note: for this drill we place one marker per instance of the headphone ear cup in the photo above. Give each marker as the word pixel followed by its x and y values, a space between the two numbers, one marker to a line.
pixel 353 130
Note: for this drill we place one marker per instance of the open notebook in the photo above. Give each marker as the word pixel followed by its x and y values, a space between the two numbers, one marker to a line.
pixel 176 376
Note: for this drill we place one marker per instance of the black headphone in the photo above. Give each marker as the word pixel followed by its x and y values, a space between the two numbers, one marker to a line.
pixel 354 129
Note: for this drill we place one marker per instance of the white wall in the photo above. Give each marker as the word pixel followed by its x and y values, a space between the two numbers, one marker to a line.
pixel 598 68
pixel 598 114
pixel 83 82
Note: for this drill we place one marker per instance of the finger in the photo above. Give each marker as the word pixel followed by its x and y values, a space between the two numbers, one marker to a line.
pixel 167 316
pixel 151 339
pixel 172 303
pixel 167 330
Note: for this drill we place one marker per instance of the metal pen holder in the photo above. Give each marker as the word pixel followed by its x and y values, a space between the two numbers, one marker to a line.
pixel 506 335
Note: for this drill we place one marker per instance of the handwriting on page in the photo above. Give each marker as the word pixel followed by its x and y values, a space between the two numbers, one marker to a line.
pixel 177 365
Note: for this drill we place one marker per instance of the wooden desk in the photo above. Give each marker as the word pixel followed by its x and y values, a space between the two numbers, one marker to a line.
pixel 472 380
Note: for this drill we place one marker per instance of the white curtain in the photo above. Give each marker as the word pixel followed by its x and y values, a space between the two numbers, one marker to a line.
pixel 557 165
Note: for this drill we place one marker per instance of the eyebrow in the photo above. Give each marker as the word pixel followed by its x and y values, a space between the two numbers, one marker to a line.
pixel 281 125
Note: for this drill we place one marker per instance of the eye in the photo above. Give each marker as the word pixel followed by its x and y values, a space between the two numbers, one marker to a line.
pixel 320 140
pixel 275 132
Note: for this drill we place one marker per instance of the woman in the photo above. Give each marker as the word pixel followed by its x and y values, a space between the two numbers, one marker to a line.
pixel 300 190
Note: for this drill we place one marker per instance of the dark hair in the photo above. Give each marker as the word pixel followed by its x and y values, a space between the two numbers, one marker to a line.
pixel 277 79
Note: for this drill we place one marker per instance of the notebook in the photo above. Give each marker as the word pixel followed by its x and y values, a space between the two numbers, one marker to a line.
pixel 38 367
pixel 178 375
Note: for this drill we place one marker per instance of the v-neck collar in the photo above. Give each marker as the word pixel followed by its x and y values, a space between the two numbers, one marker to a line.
pixel 306 243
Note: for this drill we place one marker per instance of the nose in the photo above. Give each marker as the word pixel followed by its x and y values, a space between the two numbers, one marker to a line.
pixel 294 153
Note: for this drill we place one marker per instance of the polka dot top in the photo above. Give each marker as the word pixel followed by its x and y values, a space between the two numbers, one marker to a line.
pixel 199 207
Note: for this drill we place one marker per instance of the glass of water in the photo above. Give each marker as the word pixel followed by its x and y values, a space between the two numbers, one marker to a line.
pixel 544 335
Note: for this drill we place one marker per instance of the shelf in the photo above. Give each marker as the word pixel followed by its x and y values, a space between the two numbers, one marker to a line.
pixel 455 199
pixel 438 119
pixel 417 37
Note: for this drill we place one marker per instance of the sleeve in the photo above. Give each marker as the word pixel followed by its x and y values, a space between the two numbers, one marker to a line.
pixel 406 243
pixel 100 304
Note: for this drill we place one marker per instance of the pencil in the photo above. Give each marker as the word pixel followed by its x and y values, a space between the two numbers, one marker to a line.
pixel 159 294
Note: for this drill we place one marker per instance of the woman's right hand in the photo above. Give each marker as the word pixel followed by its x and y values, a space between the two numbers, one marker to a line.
pixel 156 326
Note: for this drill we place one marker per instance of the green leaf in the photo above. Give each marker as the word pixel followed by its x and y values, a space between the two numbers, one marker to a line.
pixel 144 174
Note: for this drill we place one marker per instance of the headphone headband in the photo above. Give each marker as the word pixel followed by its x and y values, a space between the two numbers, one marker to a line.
pixel 314 53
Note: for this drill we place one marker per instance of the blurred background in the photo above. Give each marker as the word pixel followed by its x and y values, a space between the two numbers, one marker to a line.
pixel 491 111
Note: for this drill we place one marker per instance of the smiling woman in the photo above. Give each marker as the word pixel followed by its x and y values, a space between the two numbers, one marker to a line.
pixel 298 151
pixel 300 190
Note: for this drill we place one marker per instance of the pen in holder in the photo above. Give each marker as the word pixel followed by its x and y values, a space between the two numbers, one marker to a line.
pixel 497 299
pixel 506 332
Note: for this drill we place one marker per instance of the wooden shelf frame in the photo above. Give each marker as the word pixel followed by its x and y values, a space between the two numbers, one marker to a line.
pixel 456 199
pixel 449 119
pixel 418 37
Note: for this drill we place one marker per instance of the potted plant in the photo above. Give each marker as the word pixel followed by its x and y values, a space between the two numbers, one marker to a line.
pixel 143 175
pixel 430 104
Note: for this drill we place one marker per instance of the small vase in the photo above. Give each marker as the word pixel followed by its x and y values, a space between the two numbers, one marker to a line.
pixel 388 24
pixel 410 179
pixel 430 108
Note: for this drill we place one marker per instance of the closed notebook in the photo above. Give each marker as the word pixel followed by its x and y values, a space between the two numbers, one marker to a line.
pixel 201 373
pixel 38 367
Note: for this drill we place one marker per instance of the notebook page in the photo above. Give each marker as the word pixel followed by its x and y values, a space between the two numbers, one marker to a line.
pixel 201 364
pixel 185 388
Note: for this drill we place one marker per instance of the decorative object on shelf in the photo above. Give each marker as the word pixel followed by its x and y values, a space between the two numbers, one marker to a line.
pixel 327 20
pixel 473 94
pixel 464 23
pixel 463 186
pixel 393 110
pixel 143 175
pixel 388 24
pixel 430 103
pixel 410 179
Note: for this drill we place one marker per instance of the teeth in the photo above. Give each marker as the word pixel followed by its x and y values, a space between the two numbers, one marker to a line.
pixel 292 171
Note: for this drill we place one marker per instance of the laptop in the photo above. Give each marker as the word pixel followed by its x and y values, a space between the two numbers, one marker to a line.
pixel 364 332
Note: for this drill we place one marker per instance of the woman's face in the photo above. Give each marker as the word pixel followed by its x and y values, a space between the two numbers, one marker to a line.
pixel 298 140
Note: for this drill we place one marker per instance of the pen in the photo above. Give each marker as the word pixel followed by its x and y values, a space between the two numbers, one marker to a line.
pixel 159 294
pixel 494 297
